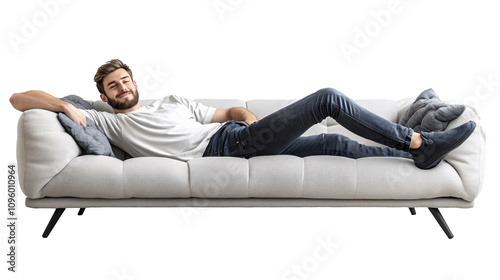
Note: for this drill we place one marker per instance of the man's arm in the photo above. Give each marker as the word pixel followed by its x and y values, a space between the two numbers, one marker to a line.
pixel 36 99
pixel 235 113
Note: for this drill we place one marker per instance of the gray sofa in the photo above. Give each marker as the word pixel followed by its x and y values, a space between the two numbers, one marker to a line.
pixel 54 173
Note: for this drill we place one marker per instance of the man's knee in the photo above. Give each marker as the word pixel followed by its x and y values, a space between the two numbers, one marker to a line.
pixel 330 96
pixel 329 92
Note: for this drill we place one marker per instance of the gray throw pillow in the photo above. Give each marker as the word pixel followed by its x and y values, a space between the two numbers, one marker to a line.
pixel 90 138
pixel 429 113
pixel 79 102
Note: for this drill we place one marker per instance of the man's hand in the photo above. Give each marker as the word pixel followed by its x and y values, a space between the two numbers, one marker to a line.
pixel 250 121
pixel 235 113
pixel 75 115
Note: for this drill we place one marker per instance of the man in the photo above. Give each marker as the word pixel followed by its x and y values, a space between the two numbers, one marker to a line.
pixel 179 128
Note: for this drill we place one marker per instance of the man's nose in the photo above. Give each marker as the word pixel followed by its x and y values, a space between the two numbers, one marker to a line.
pixel 122 88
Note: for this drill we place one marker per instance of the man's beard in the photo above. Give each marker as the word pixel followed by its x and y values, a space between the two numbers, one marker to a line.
pixel 124 105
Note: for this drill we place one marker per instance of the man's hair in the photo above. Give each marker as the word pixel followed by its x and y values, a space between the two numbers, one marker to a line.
pixel 107 68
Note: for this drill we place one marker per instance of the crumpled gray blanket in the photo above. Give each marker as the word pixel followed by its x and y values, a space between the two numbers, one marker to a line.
pixel 429 113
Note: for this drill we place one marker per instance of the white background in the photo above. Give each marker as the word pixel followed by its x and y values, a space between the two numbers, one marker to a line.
pixel 249 49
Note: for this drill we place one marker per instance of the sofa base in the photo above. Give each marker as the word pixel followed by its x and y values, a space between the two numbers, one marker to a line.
pixel 68 202
pixel 62 203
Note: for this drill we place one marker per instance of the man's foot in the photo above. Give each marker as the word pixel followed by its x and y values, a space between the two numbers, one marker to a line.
pixel 436 145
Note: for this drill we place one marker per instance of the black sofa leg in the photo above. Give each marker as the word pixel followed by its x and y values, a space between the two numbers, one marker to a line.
pixel 55 217
pixel 435 212
pixel 80 212
pixel 439 218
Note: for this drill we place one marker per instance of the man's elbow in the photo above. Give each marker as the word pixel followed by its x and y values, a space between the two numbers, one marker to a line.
pixel 15 100
pixel 20 100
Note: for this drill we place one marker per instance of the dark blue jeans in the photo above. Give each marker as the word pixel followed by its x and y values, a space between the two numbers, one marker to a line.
pixel 280 132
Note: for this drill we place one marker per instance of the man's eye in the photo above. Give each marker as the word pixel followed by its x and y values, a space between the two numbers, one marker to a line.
pixel 112 86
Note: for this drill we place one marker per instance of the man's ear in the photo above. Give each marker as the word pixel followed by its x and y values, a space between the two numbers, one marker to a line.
pixel 135 84
pixel 104 98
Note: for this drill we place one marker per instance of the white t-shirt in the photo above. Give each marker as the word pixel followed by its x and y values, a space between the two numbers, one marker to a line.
pixel 172 127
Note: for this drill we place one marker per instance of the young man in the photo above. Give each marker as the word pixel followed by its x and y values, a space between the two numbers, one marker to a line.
pixel 179 128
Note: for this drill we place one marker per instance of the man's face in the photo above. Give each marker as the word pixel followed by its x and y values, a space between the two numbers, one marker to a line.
pixel 121 91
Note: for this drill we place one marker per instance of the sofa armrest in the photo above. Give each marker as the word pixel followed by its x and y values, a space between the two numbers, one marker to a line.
pixel 43 150
pixel 470 157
